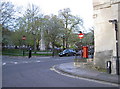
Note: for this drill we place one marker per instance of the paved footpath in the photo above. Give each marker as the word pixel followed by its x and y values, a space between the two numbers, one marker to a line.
pixel 85 72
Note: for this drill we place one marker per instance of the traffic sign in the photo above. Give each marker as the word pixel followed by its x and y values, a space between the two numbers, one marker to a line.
pixel 24 38
pixel 81 35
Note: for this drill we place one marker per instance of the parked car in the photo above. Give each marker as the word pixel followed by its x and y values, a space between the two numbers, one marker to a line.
pixel 79 53
pixel 67 52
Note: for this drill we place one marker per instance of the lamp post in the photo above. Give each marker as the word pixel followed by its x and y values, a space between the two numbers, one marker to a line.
pixel 117 55
pixel 81 36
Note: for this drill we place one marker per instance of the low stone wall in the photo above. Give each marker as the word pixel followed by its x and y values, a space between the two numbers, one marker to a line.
pixel 100 58
pixel 77 62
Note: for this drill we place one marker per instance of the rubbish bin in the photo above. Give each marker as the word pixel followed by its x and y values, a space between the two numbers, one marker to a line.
pixel 109 67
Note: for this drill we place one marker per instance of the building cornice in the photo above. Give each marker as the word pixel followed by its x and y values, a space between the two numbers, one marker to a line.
pixel 102 6
pixel 106 4
pixel 115 1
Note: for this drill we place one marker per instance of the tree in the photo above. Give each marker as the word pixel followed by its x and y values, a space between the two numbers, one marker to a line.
pixel 17 38
pixel 6 20
pixel 88 40
pixel 53 30
pixel 33 21
pixel 70 23
pixel 6 37
pixel 89 37
pixel 7 14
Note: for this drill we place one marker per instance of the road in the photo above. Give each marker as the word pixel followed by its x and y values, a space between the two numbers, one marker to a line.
pixel 36 72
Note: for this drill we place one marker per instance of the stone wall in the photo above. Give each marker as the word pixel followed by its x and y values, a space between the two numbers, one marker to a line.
pixel 105 36
pixel 102 57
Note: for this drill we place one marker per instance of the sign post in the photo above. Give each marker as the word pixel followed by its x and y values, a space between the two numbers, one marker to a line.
pixel 81 35
pixel 23 38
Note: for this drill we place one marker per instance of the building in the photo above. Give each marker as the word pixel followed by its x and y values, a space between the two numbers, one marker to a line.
pixel 105 34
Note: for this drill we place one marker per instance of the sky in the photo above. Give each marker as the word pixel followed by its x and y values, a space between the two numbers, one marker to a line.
pixel 82 8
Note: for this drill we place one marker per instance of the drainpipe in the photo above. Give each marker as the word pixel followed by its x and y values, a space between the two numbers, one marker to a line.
pixel 117 55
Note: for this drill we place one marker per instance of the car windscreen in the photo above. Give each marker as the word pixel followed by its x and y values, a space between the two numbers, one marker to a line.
pixel 68 50
pixel 65 51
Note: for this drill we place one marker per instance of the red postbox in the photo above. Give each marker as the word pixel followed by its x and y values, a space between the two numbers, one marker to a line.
pixel 85 52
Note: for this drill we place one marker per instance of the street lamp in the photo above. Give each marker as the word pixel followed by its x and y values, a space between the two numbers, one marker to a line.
pixel 117 55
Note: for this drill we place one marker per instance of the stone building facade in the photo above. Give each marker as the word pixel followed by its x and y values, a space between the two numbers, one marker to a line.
pixel 105 34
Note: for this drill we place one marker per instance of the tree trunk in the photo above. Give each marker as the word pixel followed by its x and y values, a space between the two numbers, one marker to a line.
pixel 66 42
pixel 63 42
pixel 53 53
pixel 67 37
pixel 35 44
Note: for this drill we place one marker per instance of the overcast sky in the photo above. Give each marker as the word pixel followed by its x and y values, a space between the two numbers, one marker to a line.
pixel 83 8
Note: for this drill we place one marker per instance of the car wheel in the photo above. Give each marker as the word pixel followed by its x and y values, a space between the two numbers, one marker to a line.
pixel 74 54
pixel 67 55
pixel 60 56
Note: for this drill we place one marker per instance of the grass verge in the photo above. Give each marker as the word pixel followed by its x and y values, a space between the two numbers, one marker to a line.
pixel 19 52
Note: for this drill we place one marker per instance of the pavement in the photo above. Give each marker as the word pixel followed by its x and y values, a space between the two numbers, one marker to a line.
pixel 85 71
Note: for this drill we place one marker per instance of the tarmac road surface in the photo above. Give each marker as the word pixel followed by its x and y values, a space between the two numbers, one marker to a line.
pixel 36 72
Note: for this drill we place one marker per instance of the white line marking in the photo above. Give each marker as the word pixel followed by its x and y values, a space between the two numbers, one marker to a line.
pixel 4 63
pixel 38 61
pixel 44 57
pixel 103 82
pixel 15 62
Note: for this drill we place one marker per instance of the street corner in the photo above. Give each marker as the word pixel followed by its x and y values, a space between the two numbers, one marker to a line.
pixel 84 72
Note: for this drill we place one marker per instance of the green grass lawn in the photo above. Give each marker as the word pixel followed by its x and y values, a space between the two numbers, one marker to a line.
pixel 12 52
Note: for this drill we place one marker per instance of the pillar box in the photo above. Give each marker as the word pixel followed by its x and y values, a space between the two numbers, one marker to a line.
pixel 85 52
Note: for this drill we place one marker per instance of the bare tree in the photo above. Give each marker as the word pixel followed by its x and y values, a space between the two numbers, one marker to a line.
pixel 6 21
pixel 70 22
pixel 7 14
pixel 33 21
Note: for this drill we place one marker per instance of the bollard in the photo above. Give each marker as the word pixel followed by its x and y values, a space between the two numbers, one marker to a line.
pixel 30 53
pixel 109 67
pixel 23 52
